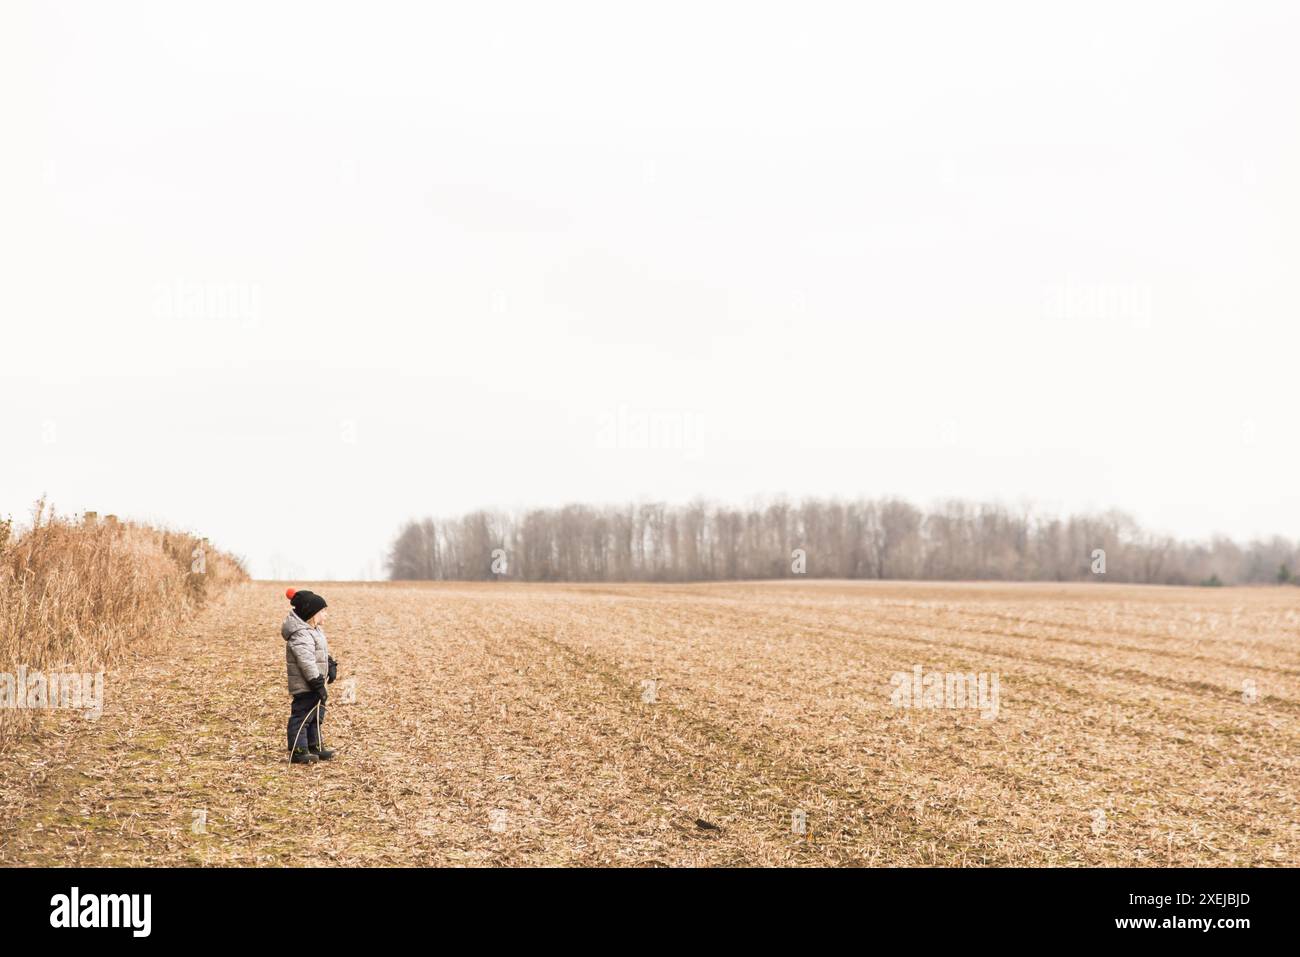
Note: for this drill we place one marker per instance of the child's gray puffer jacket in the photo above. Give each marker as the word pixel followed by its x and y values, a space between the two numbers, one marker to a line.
pixel 305 653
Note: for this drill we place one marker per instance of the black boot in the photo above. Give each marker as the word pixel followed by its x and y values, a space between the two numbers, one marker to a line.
pixel 303 756
pixel 321 752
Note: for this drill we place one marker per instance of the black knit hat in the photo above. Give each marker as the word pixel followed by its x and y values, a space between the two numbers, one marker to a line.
pixel 305 603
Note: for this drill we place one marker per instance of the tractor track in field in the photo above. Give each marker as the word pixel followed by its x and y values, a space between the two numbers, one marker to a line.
pixel 1022 784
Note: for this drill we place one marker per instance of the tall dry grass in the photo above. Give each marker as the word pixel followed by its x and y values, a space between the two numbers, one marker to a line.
pixel 74 594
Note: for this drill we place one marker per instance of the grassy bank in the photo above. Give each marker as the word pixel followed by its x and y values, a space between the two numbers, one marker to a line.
pixel 75 592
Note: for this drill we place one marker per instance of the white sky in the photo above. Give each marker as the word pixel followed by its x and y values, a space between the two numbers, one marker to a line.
pixel 288 274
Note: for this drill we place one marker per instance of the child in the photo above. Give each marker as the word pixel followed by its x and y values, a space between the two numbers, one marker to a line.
pixel 310 667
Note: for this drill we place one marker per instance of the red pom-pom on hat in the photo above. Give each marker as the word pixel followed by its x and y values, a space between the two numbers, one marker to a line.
pixel 289 593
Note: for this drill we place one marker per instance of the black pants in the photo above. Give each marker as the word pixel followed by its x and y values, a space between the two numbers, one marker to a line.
pixel 304 720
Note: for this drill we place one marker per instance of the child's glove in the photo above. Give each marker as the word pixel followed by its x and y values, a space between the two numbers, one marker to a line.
pixel 334 671
pixel 318 686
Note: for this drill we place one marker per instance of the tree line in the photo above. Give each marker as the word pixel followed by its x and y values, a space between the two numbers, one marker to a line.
pixel 883 539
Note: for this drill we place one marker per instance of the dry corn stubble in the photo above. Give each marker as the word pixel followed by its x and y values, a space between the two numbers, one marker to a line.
pixel 500 724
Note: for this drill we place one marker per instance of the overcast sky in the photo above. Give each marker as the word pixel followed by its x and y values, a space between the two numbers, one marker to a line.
pixel 288 274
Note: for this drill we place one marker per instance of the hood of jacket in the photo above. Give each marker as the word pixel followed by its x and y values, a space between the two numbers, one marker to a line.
pixel 292 625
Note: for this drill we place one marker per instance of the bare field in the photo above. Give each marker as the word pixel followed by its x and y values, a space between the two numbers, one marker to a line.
pixel 503 724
